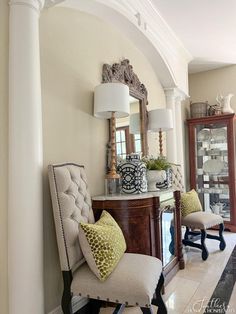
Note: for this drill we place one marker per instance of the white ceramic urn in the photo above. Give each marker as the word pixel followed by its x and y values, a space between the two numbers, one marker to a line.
pixel 226 104
pixel 156 178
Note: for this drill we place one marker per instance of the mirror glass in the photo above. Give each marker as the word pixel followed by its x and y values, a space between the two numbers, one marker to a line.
pixel 128 134
pixel 168 236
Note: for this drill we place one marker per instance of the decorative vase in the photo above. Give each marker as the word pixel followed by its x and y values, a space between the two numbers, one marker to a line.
pixel 226 104
pixel 158 179
pixel 133 176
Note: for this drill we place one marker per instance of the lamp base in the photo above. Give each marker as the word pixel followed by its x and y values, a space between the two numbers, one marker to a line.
pixel 112 185
pixel 112 175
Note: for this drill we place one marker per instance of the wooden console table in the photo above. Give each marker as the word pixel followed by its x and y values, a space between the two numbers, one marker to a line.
pixel 149 224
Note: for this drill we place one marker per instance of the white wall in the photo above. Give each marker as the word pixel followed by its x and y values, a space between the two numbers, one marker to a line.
pixel 74 47
pixel 4 12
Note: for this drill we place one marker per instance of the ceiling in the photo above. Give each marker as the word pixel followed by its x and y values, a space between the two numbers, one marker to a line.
pixel 206 28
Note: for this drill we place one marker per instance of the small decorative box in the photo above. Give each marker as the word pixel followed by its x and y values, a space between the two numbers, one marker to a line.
pixel 133 174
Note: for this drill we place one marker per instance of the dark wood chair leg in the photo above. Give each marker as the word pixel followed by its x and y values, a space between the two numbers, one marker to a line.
pixel 119 309
pixel 203 234
pixel 146 310
pixel 222 240
pixel 172 243
pixel 67 295
pixel 203 245
pixel 158 301
pixel 94 306
pixel 186 234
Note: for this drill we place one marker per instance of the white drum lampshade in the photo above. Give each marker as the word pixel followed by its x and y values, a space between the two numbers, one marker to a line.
pixel 160 120
pixel 111 97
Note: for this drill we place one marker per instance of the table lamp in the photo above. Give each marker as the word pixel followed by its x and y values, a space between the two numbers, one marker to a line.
pixel 111 101
pixel 160 120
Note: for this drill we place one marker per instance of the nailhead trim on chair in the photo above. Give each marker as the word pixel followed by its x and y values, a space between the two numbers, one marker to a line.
pixel 116 301
pixel 59 206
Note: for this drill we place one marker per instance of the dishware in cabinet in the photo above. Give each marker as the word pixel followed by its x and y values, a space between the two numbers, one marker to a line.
pixel 212 164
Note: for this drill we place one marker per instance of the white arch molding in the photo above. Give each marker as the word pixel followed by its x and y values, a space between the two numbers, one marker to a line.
pixel 147 31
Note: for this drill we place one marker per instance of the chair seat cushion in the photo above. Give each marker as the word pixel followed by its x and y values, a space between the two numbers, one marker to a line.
pixel 133 282
pixel 201 220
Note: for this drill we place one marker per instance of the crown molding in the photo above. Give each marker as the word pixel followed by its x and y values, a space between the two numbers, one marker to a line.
pixel 145 15
pixel 52 3
pixel 165 33
pixel 37 5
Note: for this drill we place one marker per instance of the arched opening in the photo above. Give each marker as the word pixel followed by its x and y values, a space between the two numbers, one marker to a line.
pixel 131 31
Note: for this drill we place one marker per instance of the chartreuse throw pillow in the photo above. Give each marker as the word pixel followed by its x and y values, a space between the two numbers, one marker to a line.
pixel 190 203
pixel 102 244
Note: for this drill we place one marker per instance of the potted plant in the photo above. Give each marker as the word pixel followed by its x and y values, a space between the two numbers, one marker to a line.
pixel 158 173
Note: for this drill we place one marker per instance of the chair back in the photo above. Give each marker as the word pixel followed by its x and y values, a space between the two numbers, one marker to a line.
pixel 177 178
pixel 71 203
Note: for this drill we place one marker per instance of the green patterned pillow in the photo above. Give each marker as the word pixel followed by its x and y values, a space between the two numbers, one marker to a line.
pixel 190 203
pixel 102 244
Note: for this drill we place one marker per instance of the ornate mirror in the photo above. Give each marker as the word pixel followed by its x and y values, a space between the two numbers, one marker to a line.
pixel 131 132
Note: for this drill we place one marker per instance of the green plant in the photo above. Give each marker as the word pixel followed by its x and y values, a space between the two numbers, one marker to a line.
pixel 159 163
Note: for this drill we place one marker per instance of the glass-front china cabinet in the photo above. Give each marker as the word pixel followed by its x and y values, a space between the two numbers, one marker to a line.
pixel 212 164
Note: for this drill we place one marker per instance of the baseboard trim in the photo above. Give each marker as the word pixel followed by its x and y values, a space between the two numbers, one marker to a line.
pixel 77 304
pixel 57 310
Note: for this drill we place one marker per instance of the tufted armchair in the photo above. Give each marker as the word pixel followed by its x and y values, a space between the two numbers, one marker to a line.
pixel 136 281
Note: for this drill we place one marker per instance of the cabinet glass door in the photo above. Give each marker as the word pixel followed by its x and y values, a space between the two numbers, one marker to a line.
pixel 212 171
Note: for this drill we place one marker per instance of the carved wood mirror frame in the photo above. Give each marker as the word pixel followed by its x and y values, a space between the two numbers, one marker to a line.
pixel 123 73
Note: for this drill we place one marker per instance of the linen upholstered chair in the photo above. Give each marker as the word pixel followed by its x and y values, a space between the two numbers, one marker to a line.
pixel 198 222
pixel 136 281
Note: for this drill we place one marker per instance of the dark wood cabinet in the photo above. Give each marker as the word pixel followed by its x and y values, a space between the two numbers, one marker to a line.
pixel 150 226
pixel 212 164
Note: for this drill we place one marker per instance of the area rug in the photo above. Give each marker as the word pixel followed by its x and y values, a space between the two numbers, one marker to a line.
pixel 219 301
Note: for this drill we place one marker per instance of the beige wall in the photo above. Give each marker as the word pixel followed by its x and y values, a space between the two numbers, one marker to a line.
pixel 3 153
pixel 206 85
pixel 74 47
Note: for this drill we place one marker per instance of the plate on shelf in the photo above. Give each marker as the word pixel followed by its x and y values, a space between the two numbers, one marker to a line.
pixel 219 134
pixel 213 166
pixel 226 215
pixel 213 152
pixel 203 135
